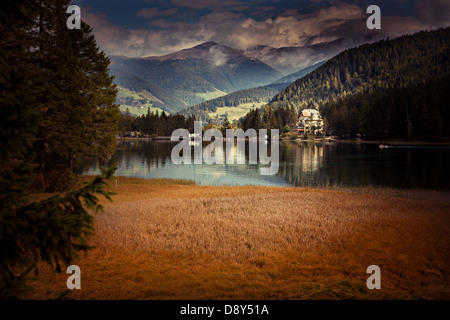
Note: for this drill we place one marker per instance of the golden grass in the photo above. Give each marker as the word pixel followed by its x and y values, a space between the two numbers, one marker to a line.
pixel 158 241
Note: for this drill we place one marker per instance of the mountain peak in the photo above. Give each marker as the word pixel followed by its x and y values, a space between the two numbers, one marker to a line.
pixel 206 45
pixel 193 52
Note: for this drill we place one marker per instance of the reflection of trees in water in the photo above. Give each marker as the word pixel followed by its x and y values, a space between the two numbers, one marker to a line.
pixel 134 155
pixel 309 164
pixel 322 164
pixel 433 172
pixel 304 164
pixel 145 154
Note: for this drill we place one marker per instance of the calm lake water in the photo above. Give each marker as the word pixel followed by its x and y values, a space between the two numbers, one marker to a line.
pixel 301 164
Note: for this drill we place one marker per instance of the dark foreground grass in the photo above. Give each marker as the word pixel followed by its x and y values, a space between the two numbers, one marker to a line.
pixel 164 240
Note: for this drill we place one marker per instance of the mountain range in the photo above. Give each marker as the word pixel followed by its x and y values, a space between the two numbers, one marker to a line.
pixel 188 77
pixel 191 76
pixel 198 80
pixel 393 88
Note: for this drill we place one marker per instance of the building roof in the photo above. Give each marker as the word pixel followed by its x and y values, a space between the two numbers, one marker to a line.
pixel 310 113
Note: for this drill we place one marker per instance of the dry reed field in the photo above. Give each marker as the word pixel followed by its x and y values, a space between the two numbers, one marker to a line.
pixel 159 240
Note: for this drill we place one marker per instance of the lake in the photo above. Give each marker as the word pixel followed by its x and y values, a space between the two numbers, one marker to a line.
pixel 301 164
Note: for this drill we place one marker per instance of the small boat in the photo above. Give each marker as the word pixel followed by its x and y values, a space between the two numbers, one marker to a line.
pixel 382 146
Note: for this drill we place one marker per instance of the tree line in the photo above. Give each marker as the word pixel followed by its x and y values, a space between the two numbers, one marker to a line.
pixel 418 112
pixel 268 118
pixel 161 124
pixel 154 123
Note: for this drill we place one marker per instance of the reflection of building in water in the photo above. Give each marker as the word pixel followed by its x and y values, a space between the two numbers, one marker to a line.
pixel 239 151
pixel 312 158
pixel 240 154
pixel 302 164
pixel 309 121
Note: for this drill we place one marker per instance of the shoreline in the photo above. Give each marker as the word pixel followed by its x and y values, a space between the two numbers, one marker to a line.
pixel 321 140
pixel 332 187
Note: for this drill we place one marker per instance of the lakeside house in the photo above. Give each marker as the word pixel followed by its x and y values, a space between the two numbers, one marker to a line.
pixel 132 134
pixel 309 121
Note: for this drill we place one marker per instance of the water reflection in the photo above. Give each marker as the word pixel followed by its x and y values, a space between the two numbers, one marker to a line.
pixel 301 164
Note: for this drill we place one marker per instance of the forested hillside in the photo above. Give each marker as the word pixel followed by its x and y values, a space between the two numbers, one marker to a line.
pixel 260 94
pixel 290 78
pixel 392 89
pixel 404 61
pixel 416 112
pixel 145 93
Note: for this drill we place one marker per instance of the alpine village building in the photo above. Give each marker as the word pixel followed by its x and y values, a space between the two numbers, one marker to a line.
pixel 309 122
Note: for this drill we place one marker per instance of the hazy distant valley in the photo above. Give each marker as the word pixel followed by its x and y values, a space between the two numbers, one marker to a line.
pixel 190 77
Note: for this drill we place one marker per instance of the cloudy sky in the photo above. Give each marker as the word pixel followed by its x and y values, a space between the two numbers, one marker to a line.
pixel 152 27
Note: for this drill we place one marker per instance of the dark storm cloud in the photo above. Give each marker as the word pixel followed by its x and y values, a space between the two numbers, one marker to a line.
pixel 154 12
pixel 244 24
pixel 434 12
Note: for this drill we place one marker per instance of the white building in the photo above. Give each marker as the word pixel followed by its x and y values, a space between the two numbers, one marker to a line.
pixel 309 121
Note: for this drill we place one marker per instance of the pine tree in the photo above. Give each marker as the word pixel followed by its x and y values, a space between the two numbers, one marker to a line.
pixel 53 230
pixel 226 125
pixel 256 123
pixel 82 119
